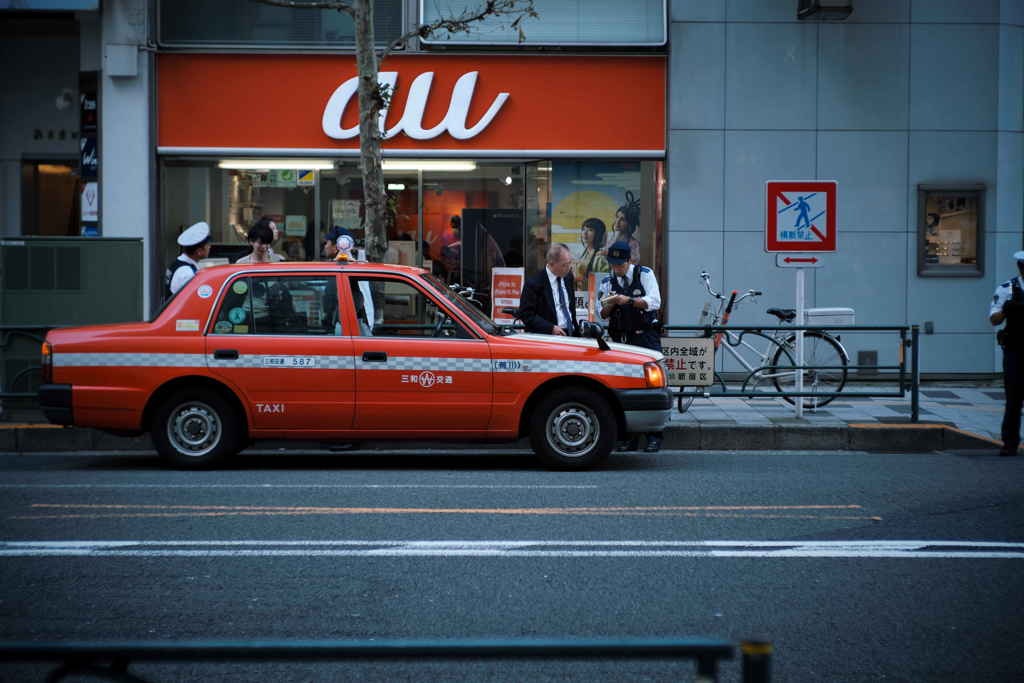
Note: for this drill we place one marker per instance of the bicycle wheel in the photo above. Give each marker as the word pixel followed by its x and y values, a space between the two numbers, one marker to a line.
pixel 687 394
pixel 826 371
pixel 761 357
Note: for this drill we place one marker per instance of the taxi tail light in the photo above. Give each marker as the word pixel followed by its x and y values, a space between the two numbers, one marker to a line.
pixel 46 363
pixel 654 374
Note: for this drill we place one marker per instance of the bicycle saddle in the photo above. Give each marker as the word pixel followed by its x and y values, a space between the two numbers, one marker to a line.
pixel 786 315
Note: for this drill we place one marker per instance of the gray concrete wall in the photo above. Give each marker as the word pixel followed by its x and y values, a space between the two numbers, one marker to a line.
pixel 126 144
pixel 904 92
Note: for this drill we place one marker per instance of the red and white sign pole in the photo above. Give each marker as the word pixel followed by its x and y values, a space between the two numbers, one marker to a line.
pixel 800 216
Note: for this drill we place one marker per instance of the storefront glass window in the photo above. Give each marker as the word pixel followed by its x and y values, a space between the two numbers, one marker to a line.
pixel 560 22
pixel 189 23
pixel 460 219
pixel 950 232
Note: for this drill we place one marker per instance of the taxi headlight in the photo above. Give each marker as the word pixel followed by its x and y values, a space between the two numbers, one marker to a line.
pixel 654 374
pixel 46 363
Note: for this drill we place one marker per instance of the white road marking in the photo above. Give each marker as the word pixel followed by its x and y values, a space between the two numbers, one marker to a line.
pixel 298 486
pixel 937 549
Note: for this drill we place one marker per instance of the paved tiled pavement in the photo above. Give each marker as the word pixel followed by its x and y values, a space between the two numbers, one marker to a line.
pixel 975 409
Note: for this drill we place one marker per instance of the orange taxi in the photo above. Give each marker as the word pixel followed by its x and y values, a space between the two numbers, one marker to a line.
pixel 340 353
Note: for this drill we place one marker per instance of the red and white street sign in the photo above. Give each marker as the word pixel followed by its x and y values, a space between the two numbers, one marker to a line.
pixel 800 215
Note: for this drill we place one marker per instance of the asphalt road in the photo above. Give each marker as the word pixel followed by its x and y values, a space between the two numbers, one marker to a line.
pixel 856 566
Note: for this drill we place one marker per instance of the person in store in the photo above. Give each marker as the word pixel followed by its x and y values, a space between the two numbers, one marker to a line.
pixel 451 249
pixel 546 304
pixel 261 237
pixel 195 246
pixel 1008 306
pixel 593 259
pixel 631 302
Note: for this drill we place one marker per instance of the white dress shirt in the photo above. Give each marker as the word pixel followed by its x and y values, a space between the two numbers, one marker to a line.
pixel 652 295
pixel 182 274
pixel 556 283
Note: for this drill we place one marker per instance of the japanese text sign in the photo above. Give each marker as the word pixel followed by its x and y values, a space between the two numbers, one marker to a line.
pixel 690 361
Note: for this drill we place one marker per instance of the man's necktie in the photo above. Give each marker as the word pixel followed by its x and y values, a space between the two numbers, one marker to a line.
pixel 561 303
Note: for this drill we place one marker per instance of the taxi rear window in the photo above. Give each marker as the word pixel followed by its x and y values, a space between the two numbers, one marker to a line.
pixel 279 305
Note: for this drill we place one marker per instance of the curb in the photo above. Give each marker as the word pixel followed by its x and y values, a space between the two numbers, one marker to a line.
pixel 876 437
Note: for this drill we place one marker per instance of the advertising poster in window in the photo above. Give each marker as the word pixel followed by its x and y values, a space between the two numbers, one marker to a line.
pixel 594 204
pixel 506 286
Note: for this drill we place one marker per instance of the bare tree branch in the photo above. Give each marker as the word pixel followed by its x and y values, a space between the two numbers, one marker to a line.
pixel 374 98
pixel 520 9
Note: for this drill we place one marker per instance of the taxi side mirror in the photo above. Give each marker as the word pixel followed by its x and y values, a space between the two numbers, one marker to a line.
pixel 594 330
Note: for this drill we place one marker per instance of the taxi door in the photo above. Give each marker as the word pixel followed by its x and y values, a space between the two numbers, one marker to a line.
pixel 277 338
pixel 417 367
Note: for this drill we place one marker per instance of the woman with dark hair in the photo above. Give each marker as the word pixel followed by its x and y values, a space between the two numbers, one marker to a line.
pixel 592 260
pixel 627 220
pixel 261 236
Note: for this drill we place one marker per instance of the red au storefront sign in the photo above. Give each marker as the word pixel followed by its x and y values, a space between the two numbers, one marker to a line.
pixel 443 105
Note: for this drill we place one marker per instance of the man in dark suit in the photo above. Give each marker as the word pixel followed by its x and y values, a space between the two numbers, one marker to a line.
pixel 547 304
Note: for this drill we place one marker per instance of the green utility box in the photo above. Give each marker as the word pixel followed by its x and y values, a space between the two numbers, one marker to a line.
pixel 59 282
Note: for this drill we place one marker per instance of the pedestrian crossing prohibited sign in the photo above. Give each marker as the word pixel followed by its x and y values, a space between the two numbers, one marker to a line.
pixel 800 215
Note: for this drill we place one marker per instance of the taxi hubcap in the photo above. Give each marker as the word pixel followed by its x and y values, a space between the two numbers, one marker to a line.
pixel 194 428
pixel 573 429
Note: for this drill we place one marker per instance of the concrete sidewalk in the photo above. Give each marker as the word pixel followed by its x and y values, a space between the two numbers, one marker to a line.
pixel 951 417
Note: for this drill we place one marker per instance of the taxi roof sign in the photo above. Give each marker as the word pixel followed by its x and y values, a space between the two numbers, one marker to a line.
pixel 800 215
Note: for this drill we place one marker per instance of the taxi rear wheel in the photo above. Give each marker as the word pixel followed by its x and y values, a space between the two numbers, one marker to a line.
pixel 195 429
pixel 573 430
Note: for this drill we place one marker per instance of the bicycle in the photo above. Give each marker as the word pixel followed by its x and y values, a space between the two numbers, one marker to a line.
pixel 825 358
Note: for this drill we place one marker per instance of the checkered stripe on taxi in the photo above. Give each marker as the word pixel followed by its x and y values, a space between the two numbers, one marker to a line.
pixel 137 360
pixel 407 363
pixel 427 363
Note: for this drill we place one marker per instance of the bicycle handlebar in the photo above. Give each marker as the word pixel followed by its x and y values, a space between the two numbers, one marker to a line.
pixel 706 277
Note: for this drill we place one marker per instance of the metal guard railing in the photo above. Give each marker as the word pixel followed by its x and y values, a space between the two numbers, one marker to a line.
pixel 111 659
pixel 908 378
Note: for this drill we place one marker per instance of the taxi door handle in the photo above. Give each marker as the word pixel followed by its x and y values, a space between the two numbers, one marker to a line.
pixel 225 354
pixel 375 356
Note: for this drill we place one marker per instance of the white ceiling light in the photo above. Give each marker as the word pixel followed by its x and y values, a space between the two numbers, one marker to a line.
pixel 428 165
pixel 276 164
pixel 396 186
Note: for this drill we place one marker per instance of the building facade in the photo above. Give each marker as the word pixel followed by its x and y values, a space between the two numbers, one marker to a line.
pixel 663 123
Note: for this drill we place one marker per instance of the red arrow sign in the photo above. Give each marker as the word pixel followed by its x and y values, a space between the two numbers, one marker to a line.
pixel 790 259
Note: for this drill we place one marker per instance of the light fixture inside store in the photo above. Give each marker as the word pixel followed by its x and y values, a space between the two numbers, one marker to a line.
pixel 276 164
pixel 428 165
pixel 398 187
pixel 507 180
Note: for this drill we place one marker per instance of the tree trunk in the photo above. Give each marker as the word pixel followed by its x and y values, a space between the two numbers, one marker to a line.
pixel 370 105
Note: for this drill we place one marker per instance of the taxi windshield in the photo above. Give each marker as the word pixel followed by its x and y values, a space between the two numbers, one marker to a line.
pixel 474 313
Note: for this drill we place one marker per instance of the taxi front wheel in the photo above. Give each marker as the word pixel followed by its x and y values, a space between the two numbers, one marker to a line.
pixel 573 430
pixel 195 429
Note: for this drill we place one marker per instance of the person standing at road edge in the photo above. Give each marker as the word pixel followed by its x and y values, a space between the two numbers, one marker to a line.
pixel 1008 306
pixel 195 246
pixel 547 303
pixel 631 302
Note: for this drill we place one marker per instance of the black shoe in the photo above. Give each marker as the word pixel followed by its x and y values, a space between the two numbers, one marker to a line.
pixel 631 445
pixel 653 444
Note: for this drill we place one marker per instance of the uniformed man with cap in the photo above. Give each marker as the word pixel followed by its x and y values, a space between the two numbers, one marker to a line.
pixel 195 246
pixel 631 300
pixel 1008 306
